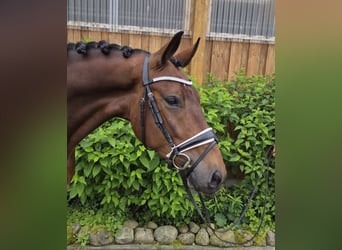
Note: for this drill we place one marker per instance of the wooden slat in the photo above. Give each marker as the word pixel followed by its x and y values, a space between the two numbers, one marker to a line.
pixel 244 56
pixel 253 59
pixel 104 36
pixel 235 60
pixel 155 43
pixel 70 35
pixel 145 42
pixel 270 62
pixel 263 58
pixel 114 38
pixel 226 47
pixel 135 41
pixel 77 35
pixel 95 35
pixel 220 59
pixel 199 29
pixel 84 34
pixel 207 59
pixel 124 39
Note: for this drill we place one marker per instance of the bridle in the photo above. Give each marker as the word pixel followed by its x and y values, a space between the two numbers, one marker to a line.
pixel 204 137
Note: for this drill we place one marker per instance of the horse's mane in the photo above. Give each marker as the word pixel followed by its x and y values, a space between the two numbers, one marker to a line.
pixel 105 47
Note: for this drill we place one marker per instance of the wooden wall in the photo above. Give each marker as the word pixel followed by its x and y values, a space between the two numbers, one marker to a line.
pixel 222 58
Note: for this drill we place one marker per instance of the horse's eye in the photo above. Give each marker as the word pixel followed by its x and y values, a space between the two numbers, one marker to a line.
pixel 172 101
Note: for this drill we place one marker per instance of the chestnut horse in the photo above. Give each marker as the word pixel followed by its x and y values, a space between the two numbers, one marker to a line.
pixel 154 94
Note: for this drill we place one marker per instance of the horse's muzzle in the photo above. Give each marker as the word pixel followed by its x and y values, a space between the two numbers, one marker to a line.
pixel 207 185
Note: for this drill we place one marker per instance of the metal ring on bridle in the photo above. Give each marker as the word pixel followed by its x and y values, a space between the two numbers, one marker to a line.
pixel 186 165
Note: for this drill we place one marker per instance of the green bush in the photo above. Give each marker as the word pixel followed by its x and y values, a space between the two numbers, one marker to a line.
pixel 242 112
pixel 115 172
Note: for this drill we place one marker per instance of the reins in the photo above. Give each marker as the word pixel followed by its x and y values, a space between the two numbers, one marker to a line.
pixel 206 218
pixel 204 137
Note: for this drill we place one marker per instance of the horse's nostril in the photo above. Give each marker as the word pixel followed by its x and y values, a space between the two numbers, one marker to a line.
pixel 215 179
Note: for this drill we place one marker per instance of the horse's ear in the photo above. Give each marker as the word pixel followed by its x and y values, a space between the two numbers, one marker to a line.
pixel 160 58
pixel 184 57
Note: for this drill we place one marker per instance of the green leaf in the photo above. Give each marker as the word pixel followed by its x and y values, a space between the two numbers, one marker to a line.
pixel 164 209
pixel 87 170
pixel 121 157
pixel 154 162
pixel 247 144
pixel 104 161
pixel 234 158
pixel 111 141
pixel 79 189
pixel 151 154
pixel 136 185
pixel 144 161
pixel 96 169
pixel 138 173
pixel 72 192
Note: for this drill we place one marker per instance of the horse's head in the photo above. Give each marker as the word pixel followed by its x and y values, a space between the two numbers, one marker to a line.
pixel 170 119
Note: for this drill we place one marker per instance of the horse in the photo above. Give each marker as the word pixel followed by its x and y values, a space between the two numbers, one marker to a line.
pixel 151 91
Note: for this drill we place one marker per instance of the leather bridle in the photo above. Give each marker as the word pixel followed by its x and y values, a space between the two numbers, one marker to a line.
pixel 204 137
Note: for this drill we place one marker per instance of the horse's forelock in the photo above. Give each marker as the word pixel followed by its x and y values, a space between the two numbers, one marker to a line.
pixel 176 62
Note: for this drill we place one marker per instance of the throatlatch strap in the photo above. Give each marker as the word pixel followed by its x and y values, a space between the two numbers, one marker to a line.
pixel 145 70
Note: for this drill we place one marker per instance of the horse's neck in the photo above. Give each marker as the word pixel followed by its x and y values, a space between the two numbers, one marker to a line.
pixel 99 88
pixel 95 73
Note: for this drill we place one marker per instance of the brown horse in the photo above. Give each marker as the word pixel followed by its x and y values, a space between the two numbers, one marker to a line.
pixel 153 93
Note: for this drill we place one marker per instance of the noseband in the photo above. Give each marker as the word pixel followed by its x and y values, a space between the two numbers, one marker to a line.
pixel 206 136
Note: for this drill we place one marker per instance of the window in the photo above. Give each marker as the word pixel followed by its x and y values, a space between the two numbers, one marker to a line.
pixel 131 15
pixel 242 20
pixel 251 20
pixel 91 11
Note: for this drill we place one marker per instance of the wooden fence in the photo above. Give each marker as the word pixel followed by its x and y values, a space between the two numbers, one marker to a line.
pixel 220 55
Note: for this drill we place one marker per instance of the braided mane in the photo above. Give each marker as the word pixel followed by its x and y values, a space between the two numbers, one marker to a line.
pixel 106 48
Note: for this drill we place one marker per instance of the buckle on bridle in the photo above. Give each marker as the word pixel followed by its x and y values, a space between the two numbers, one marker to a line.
pixel 186 165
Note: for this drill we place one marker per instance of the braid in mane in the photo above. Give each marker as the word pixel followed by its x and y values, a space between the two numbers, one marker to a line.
pixel 104 47
pixel 91 45
pixel 81 48
pixel 126 51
